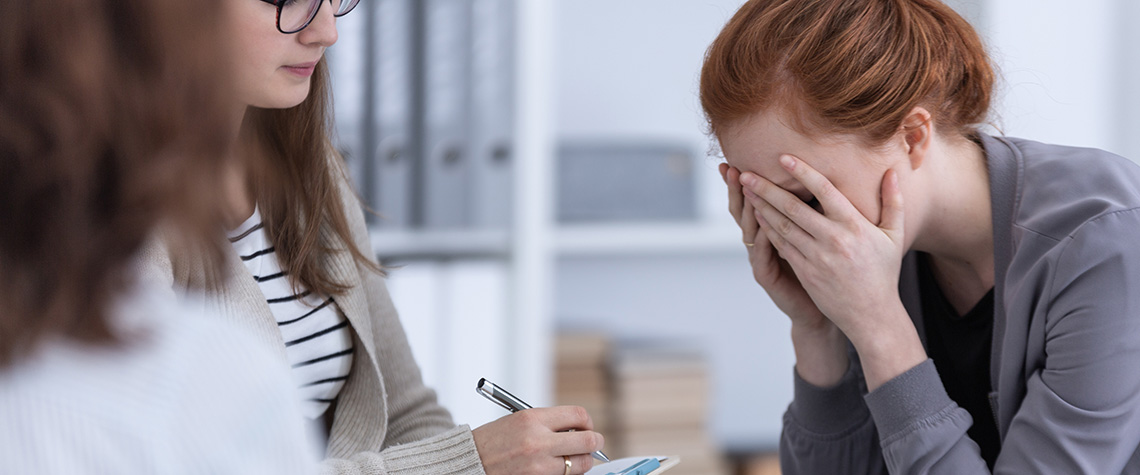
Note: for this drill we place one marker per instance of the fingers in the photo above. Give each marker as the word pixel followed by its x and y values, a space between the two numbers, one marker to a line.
pixel 819 186
pixel 786 249
pixel 748 224
pixel 892 217
pixel 562 418
pixel 741 210
pixel 735 198
pixel 579 464
pixel 781 225
pixel 577 443
pixel 760 193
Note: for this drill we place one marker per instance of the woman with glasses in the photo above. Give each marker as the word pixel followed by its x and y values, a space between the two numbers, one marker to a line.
pixel 304 281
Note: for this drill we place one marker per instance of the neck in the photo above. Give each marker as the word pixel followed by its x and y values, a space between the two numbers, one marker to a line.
pixel 956 227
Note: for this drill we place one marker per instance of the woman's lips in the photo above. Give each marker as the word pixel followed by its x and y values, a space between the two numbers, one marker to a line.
pixel 302 70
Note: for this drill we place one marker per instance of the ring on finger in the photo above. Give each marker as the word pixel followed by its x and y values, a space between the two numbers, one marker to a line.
pixel 569 464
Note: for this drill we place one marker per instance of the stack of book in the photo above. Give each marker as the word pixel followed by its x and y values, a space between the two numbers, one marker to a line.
pixel 660 405
pixel 759 464
pixel 581 375
pixel 646 398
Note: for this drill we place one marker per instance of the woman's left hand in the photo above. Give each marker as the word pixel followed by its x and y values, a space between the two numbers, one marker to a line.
pixel 848 265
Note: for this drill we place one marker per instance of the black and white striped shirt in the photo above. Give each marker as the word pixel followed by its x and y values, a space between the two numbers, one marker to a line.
pixel 318 338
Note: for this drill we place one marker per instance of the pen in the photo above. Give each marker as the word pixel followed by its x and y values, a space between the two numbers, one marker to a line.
pixel 511 403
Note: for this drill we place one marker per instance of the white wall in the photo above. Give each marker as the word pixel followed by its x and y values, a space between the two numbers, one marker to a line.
pixel 1127 47
pixel 1058 66
pixel 630 69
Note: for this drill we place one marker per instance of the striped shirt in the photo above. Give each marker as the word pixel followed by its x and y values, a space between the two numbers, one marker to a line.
pixel 318 338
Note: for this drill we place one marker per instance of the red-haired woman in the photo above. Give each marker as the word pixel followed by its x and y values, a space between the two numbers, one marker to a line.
pixel 112 118
pixel 303 280
pixel 960 303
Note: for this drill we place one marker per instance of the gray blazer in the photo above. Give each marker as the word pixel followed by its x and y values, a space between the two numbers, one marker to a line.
pixel 1066 348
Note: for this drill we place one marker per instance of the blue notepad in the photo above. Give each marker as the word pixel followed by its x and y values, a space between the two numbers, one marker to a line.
pixel 634 466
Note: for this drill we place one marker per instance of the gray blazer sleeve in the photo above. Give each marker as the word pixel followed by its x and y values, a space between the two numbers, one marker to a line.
pixel 1081 413
pixel 830 430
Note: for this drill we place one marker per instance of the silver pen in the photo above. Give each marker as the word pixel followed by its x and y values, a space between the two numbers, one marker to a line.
pixel 511 403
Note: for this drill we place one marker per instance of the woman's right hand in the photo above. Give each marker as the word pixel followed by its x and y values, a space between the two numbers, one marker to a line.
pixel 821 349
pixel 535 441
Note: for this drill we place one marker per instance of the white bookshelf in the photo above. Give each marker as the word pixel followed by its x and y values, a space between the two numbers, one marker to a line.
pixel 398 245
pixel 646 239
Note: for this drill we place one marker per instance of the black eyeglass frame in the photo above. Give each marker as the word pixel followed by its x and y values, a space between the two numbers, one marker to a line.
pixel 281 4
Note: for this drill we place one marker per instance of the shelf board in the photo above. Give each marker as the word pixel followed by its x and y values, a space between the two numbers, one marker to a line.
pixel 388 244
pixel 650 238
pixel 568 241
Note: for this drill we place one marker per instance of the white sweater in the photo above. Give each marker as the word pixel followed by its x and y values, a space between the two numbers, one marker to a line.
pixel 170 400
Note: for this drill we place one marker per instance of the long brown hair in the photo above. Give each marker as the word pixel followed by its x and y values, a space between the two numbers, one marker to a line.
pixel 298 187
pixel 848 66
pixel 111 116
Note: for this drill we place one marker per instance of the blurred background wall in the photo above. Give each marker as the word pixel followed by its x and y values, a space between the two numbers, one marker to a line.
pixel 613 221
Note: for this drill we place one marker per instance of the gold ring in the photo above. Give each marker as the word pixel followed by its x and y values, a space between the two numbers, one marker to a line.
pixel 568 464
pixel 749 244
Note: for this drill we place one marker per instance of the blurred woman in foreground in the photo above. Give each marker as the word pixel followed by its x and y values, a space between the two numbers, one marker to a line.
pixel 111 113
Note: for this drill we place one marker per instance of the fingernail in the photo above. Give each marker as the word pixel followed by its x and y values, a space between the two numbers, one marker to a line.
pixel 787 161
pixel 748 179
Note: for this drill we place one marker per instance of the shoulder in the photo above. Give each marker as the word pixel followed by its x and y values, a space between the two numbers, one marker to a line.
pixel 170 389
pixel 1061 188
pixel 154 262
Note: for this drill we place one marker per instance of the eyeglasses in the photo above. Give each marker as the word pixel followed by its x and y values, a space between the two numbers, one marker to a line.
pixel 295 15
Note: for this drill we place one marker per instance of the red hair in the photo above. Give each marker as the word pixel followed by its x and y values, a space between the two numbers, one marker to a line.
pixel 848 66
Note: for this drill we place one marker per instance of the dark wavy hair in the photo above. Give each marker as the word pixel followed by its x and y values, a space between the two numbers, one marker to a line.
pixel 111 120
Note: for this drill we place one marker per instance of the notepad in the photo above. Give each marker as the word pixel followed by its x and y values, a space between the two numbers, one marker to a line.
pixel 635 466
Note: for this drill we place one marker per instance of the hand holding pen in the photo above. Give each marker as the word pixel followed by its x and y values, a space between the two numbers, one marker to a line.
pixel 536 441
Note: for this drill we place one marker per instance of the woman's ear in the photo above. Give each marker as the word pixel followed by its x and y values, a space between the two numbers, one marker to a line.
pixel 918 133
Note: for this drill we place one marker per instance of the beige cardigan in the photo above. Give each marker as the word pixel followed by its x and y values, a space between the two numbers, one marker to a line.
pixel 386 420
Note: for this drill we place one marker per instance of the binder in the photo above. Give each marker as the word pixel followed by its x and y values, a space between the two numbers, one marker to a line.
pixel 492 113
pixel 622 181
pixel 474 302
pixel 444 174
pixel 349 90
pixel 393 156
pixel 415 291
pixel 454 314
